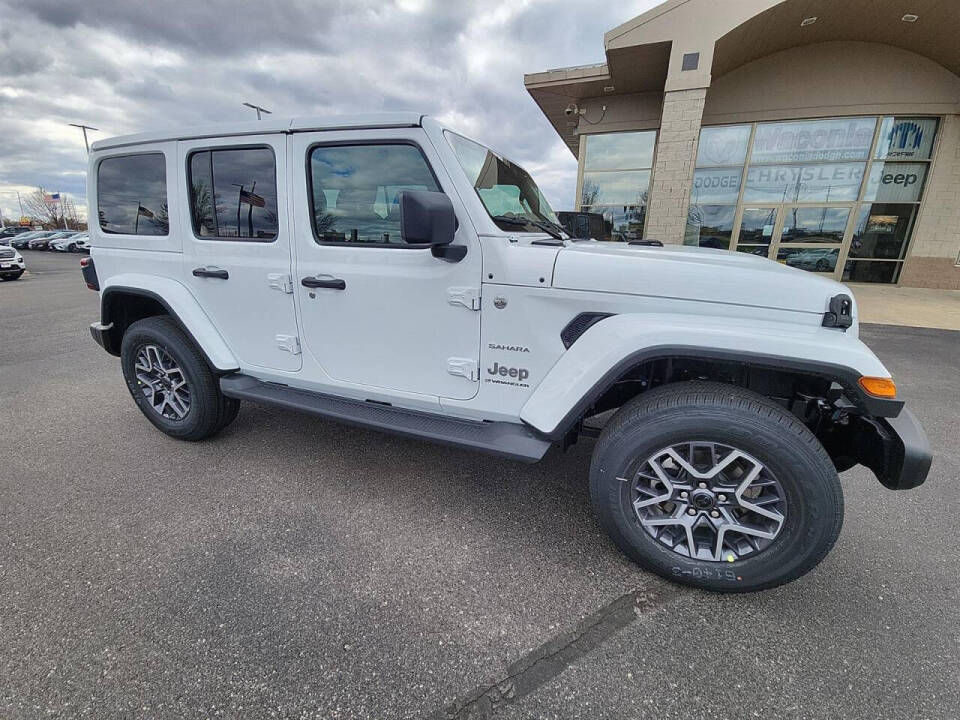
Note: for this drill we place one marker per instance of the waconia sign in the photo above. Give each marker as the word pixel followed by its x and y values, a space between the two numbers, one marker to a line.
pixel 814 141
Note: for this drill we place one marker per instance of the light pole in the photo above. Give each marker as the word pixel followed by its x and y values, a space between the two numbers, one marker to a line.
pixel 84 128
pixel 257 108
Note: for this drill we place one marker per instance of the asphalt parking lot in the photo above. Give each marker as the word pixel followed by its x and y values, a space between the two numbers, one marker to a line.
pixel 298 568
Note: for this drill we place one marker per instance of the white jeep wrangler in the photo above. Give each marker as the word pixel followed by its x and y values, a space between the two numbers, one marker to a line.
pixel 388 272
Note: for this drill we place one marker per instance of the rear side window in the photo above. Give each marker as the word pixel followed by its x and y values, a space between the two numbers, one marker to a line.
pixel 354 190
pixel 233 194
pixel 132 195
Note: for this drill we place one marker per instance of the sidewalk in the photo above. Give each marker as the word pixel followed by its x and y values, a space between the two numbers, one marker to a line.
pixel 914 307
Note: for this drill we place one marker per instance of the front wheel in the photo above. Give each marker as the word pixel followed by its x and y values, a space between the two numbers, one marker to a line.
pixel 717 487
pixel 171 382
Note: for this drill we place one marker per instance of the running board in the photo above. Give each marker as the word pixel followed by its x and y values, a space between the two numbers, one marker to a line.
pixel 512 440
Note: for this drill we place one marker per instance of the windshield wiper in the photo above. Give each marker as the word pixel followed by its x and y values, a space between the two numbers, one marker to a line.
pixel 548 227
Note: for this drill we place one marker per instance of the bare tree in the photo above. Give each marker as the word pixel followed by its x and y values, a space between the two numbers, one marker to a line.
pixel 51 214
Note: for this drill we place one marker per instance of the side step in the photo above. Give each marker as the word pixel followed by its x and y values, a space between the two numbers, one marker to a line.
pixel 511 440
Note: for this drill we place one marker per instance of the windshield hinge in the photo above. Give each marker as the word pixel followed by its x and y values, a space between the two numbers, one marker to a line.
pixel 281 282
pixel 463 367
pixel 469 297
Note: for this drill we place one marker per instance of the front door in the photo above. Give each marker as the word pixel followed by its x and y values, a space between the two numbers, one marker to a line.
pixel 237 248
pixel 376 312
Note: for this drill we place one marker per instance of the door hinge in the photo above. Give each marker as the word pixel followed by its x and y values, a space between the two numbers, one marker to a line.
pixel 469 297
pixel 289 343
pixel 281 282
pixel 463 367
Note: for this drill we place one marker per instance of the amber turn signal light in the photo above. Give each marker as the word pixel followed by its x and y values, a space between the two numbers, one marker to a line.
pixel 879 387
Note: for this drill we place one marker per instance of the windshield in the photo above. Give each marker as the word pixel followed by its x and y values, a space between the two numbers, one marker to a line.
pixel 506 190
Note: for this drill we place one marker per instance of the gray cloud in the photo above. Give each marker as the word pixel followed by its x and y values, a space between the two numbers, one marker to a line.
pixel 128 66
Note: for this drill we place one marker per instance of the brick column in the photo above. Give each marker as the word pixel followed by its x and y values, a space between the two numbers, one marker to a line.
pixel 676 159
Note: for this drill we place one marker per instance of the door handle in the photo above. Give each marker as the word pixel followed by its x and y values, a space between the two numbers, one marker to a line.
pixel 324 282
pixel 211 273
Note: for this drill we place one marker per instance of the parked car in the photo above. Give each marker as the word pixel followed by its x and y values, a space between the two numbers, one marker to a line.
pixel 20 241
pixel 816 259
pixel 10 231
pixel 11 264
pixel 72 243
pixel 370 256
pixel 43 243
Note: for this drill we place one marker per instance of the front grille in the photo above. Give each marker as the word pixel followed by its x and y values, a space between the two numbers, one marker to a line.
pixel 7 253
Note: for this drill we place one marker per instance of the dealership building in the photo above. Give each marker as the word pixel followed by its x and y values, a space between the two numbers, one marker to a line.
pixel 819 133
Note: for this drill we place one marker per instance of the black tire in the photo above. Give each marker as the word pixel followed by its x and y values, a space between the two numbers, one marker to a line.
pixel 738 418
pixel 209 412
pixel 12 276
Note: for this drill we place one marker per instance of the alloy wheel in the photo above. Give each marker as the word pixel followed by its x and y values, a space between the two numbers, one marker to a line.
pixel 707 501
pixel 162 382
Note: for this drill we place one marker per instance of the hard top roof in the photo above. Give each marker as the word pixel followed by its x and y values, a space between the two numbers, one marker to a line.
pixel 268 125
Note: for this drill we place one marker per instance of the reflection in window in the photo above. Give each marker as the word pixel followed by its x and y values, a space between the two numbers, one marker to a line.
pixel 815 225
pixel 812 259
pixel 621 224
pixel 233 193
pixel 710 226
pixel 620 151
pixel 132 195
pixel 757 225
pixel 881 231
pixel 615 188
pixel 804 183
pixel 506 190
pixel 865 271
pixel 355 190
pixel 616 181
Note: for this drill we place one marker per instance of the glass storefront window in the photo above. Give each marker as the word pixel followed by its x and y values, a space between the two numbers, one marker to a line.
pixel 813 259
pixel 896 182
pixel 867 271
pixel 814 225
pixel 619 151
pixel 756 226
pixel 723 146
pixel 881 231
pixel 615 188
pixel 616 181
pixel 834 140
pixel 804 183
pixel 710 226
pixel 621 224
pixel 712 187
pixel 906 138
pixel 788 190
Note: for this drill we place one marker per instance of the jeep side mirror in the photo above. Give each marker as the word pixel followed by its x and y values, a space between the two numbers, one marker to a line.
pixel 427 218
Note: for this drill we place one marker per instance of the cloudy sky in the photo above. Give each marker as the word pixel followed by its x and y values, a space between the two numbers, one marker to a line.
pixel 125 66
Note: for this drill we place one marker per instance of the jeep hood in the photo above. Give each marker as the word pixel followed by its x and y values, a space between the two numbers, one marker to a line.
pixel 691 273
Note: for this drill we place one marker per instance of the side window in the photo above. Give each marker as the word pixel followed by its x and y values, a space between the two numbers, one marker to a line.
pixel 233 193
pixel 132 195
pixel 354 190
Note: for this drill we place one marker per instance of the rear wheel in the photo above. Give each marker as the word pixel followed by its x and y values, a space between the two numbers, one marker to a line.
pixel 171 382
pixel 717 487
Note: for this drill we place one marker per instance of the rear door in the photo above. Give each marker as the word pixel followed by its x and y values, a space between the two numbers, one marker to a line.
pixel 236 249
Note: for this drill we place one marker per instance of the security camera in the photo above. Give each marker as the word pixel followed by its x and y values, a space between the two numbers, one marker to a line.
pixel 571 110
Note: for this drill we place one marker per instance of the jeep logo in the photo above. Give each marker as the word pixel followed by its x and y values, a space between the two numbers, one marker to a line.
pixel 520 374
